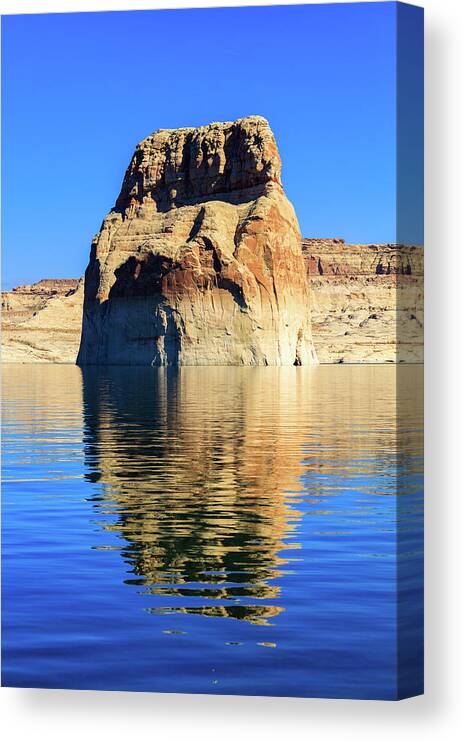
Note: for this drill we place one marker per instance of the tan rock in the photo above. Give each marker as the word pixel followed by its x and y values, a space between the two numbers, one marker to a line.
pixel 42 323
pixel 200 262
pixel 367 301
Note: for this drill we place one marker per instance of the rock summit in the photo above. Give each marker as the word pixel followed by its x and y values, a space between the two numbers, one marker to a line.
pixel 200 261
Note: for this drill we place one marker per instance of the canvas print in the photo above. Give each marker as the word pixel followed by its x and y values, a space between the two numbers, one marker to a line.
pixel 212 338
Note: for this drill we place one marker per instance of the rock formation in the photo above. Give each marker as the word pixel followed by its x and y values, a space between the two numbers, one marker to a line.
pixel 200 261
pixel 367 301
pixel 42 322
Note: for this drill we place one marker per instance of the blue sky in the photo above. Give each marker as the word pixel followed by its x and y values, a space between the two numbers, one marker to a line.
pixel 81 89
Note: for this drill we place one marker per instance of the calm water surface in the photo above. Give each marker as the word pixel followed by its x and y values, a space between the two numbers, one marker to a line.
pixel 213 530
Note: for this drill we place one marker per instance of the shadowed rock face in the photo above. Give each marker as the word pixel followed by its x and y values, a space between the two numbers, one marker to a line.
pixel 200 261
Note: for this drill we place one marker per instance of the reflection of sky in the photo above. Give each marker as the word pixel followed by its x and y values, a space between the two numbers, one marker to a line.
pixel 79 90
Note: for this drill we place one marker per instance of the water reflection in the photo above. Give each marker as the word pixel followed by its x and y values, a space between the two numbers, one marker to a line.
pixel 195 468
pixel 206 473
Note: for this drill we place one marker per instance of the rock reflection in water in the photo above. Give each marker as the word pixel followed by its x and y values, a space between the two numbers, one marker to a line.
pixel 195 464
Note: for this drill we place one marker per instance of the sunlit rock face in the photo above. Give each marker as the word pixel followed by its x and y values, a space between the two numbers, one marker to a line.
pixel 41 322
pixel 367 301
pixel 200 261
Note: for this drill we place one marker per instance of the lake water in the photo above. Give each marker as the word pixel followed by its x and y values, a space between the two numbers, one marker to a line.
pixel 213 530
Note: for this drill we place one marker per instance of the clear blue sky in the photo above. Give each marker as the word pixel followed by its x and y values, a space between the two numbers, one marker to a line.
pixel 81 89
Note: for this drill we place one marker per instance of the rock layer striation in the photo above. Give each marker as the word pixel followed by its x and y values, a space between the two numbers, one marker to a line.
pixel 367 301
pixel 41 323
pixel 200 261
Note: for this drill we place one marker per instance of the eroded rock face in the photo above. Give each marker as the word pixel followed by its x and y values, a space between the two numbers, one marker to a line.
pixel 41 323
pixel 200 261
pixel 367 301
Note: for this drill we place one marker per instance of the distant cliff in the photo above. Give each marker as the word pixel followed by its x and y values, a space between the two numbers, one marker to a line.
pixel 200 261
pixel 41 323
pixel 367 301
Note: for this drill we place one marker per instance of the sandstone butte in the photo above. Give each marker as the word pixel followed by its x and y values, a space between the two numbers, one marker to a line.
pixel 200 261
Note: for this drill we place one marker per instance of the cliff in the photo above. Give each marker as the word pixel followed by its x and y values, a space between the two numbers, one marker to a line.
pixel 200 261
pixel 367 301
pixel 42 322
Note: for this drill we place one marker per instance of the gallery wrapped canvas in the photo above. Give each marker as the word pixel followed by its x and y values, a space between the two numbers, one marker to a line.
pixel 213 411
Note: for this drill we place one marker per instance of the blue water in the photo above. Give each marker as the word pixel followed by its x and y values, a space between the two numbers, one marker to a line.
pixel 228 531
